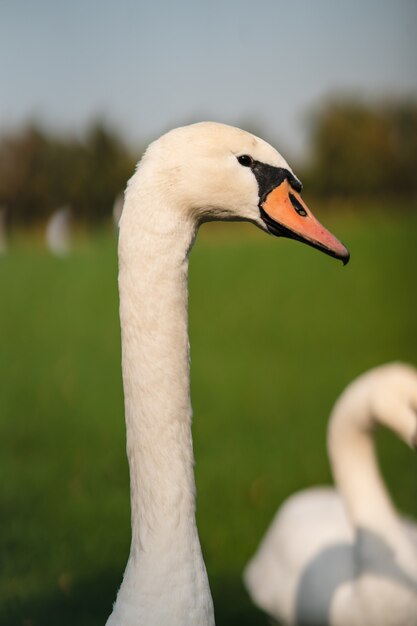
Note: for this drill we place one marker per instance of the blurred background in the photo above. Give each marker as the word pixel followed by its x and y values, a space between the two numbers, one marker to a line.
pixel 277 330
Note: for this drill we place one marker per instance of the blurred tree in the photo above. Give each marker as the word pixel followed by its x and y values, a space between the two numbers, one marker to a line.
pixel 357 148
pixel 40 172
pixel 23 176
pixel 108 165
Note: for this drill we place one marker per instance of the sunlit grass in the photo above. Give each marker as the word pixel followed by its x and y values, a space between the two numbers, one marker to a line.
pixel 276 330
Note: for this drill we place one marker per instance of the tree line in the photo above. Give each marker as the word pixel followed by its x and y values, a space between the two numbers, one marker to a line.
pixel 364 149
pixel 41 171
pixel 355 149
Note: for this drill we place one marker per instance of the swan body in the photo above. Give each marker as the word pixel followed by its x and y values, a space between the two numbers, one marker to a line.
pixel 190 175
pixel 343 556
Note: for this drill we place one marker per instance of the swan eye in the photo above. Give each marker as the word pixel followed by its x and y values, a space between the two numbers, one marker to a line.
pixel 245 160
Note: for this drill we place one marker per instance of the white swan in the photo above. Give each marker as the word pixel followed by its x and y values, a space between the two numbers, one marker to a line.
pixel 58 231
pixel 117 209
pixel 193 174
pixel 344 557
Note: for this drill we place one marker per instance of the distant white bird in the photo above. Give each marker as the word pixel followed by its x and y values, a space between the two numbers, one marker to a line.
pixel 118 208
pixel 58 231
pixel 193 174
pixel 3 233
pixel 344 557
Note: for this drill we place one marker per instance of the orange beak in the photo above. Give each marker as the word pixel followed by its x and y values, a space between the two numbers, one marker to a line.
pixel 286 215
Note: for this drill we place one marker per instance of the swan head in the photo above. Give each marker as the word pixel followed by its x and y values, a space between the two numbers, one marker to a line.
pixel 210 171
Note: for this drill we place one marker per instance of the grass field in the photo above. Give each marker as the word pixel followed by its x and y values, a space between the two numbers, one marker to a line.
pixel 277 330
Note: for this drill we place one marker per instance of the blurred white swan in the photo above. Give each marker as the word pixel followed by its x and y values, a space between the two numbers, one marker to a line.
pixel 58 232
pixel 117 209
pixel 344 557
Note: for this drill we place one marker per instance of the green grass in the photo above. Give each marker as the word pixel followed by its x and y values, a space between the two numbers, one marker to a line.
pixel 277 330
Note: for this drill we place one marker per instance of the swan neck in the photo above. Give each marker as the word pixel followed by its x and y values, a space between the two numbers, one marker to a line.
pixel 155 364
pixel 356 471
pixel 165 576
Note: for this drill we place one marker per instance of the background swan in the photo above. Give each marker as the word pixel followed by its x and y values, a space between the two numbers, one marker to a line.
pixel 345 557
pixel 193 174
pixel 117 209
pixel 58 231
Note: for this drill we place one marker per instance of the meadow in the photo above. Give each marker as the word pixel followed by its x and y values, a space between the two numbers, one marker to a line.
pixel 277 330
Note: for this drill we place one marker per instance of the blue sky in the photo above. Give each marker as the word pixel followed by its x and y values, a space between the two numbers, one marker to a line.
pixel 149 66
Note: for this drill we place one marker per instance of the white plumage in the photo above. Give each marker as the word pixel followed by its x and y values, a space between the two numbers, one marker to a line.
pixel 191 175
pixel 343 556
